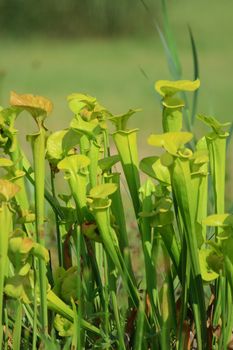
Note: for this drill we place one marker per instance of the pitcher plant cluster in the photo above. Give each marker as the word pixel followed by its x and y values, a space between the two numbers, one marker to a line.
pixel 89 296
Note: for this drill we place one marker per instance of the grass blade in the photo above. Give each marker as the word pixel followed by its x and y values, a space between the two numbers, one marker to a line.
pixel 196 74
pixel 171 41
pixel 138 342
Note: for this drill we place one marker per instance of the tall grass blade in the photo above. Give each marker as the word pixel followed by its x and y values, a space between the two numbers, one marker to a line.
pixel 139 334
pixel 170 40
pixel 170 59
pixel 196 74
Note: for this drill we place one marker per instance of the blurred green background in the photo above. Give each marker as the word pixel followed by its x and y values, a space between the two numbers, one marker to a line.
pixel 110 49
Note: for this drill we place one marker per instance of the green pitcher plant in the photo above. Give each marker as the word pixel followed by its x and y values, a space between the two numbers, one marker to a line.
pixel 172 105
pixel 81 267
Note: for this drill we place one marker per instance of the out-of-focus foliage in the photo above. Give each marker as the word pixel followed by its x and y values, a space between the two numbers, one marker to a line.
pixel 73 17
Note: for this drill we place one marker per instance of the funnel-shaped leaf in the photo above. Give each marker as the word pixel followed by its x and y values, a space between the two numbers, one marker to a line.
pixel 74 163
pixel 172 106
pixel 146 165
pixel 201 156
pixel 103 191
pixel 172 102
pixel 199 176
pixel 38 141
pixel 60 143
pixel 76 173
pixel 208 264
pixel 216 142
pixel 219 220
pixel 126 143
pixel 120 121
pixel 107 163
pixel 78 101
pixel 217 127
pixel 101 204
pixel 88 128
pixel 152 166
pixel 172 114
pixel 169 88
pixel 38 106
pixel 88 109
pixel 171 141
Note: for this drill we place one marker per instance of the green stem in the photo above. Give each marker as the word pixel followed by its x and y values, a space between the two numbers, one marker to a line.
pixel 59 239
pixel 126 143
pixel 6 331
pixel 5 229
pixel 107 265
pixel 107 234
pixel 217 154
pixel 172 119
pixel 118 212
pixel 182 185
pixel 35 311
pixel 79 335
pixel 21 196
pixel 138 341
pixel 222 341
pixel 117 320
pixel 17 328
pixel 185 280
pixel 93 154
pixel 48 196
pixel 229 315
pixel 38 146
pixel 78 183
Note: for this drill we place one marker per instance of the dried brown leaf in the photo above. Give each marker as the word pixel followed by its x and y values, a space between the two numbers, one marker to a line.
pixel 31 102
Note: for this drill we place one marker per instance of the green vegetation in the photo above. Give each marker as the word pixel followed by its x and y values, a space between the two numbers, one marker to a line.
pixel 109 240
pixel 89 295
